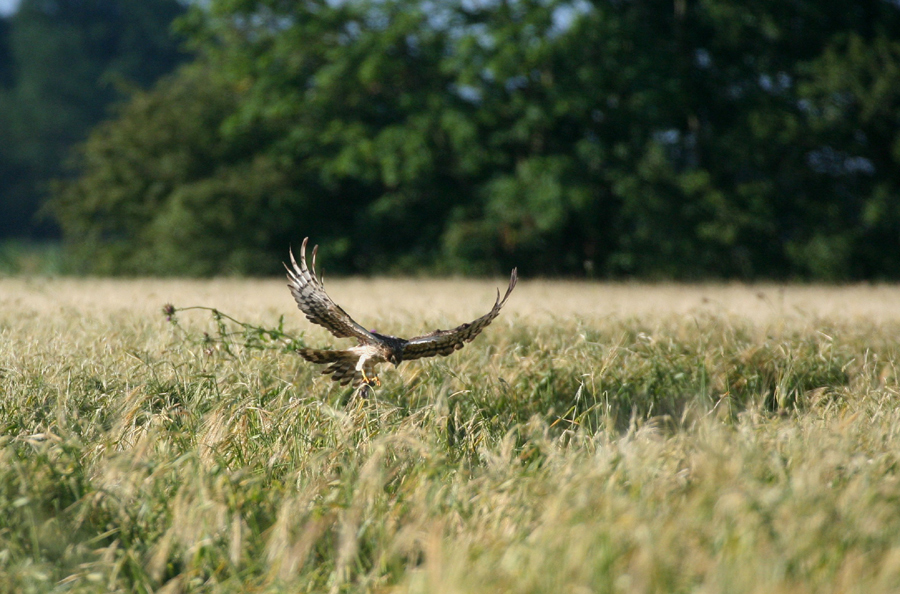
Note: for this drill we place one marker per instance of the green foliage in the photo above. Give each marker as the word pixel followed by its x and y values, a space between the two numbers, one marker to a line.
pixel 705 139
pixel 211 184
pixel 225 339
pixel 30 258
pixel 62 62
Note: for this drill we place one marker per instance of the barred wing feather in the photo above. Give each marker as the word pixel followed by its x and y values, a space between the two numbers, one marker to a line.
pixel 444 342
pixel 341 364
pixel 311 298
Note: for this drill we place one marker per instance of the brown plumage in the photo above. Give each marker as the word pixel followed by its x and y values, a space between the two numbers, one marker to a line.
pixel 357 364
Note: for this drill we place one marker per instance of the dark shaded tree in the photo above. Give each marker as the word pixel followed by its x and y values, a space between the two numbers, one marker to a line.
pixel 6 60
pixel 685 139
pixel 67 60
pixel 214 205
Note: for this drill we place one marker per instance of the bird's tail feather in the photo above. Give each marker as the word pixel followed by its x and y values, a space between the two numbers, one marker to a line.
pixel 341 364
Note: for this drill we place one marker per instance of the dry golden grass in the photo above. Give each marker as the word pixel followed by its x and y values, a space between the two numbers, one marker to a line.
pixel 597 438
pixel 381 299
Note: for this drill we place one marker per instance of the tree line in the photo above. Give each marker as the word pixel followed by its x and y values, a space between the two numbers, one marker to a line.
pixel 62 62
pixel 612 138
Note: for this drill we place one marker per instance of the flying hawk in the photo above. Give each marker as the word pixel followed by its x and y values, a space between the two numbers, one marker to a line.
pixel 357 364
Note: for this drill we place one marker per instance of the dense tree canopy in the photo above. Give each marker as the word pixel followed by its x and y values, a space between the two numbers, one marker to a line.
pixel 685 139
pixel 61 63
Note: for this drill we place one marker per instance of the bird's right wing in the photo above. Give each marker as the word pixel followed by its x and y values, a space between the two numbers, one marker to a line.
pixel 444 342
pixel 313 301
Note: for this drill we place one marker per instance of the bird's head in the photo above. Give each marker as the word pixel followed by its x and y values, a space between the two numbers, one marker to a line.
pixel 394 346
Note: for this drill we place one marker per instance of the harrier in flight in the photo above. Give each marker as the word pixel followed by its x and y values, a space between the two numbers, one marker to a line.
pixel 357 364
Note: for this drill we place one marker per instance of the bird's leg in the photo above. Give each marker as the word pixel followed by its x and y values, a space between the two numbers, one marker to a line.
pixel 361 367
pixel 370 380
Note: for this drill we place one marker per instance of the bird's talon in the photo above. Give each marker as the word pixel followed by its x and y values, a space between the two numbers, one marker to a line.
pixel 371 380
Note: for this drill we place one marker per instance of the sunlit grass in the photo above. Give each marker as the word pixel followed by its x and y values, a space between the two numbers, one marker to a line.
pixel 595 439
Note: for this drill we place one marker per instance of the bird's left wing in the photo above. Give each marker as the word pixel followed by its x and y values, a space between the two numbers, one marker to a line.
pixel 312 300
pixel 444 342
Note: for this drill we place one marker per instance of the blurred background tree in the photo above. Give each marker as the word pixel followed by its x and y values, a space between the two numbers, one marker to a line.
pixel 61 64
pixel 678 139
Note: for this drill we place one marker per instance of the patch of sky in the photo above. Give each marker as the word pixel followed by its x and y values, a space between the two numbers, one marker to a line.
pixel 7 7
pixel 831 161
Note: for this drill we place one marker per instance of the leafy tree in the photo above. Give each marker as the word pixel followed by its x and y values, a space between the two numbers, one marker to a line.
pixel 852 95
pixel 700 138
pixel 167 189
pixel 6 61
pixel 68 59
pixel 359 93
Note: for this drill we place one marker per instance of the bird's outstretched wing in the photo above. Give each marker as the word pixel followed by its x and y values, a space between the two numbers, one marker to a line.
pixel 313 301
pixel 444 342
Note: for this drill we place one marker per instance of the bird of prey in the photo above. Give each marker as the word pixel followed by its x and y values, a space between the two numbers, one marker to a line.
pixel 357 363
